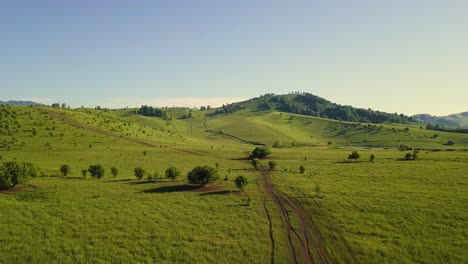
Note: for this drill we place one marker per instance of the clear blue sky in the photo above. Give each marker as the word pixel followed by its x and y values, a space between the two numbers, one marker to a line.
pixel 396 56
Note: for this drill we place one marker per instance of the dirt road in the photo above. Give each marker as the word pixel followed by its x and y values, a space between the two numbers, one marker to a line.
pixel 304 240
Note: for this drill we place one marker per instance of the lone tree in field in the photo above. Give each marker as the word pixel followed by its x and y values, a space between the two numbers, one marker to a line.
pixel 202 175
pixel 114 172
pixel 260 153
pixel 139 173
pixel 255 162
pixel 301 169
pixel 240 182
pixel 172 173
pixel 84 172
pixel 354 155
pixel 64 170
pixel 13 173
pixel 372 158
pixel 272 164
pixel 96 171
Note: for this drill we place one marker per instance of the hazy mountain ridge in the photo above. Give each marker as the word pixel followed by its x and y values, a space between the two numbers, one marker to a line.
pixel 13 102
pixel 459 120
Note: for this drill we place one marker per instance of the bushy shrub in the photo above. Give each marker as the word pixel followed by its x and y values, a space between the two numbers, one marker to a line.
pixel 114 172
pixel 97 171
pixel 202 175
pixel 64 170
pixel 139 173
pixel 260 153
pixel 241 182
pixel 13 173
pixel 172 173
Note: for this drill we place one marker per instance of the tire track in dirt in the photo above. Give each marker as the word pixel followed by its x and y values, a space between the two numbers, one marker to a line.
pixel 270 224
pixel 310 246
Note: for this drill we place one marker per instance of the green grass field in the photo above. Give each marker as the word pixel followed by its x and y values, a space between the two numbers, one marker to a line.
pixel 389 211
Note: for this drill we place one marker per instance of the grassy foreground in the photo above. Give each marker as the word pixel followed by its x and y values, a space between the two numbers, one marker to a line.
pixel 389 211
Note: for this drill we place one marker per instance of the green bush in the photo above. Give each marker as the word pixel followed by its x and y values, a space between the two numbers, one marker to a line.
pixel 260 153
pixel 97 171
pixel 202 175
pixel 272 164
pixel 139 173
pixel 114 172
pixel 301 169
pixel 13 173
pixel 64 170
pixel 172 173
pixel 240 182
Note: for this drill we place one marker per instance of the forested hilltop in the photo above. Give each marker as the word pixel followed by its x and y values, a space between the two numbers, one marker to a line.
pixel 304 104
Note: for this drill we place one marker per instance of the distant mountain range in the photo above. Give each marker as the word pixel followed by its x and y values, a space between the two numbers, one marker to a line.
pixel 11 102
pixel 459 120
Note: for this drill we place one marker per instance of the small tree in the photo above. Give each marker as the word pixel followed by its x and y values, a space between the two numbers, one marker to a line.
pixel 409 156
pixel 64 170
pixel 272 164
pixel 354 155
pixel 255 162
pixel 202 175
pixel 96 171
pixel 260 153
pixel 139 173
pixel 172 173
pixel 301 169
pixel 240 182
pixel 34 131
pixel 84 172
pixel 114 172
pixel 372 158
pixel 13 173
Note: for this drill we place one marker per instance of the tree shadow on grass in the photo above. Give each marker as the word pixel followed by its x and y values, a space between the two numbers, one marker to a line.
pixel 140 182
pixel 173 188
pixel 216 193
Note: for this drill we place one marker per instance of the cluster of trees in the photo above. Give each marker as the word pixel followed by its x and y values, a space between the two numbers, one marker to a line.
pixel 152 111
pixel 229 108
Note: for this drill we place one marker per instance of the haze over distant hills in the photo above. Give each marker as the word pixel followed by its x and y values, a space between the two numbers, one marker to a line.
pixel 12 102
pixel 459 120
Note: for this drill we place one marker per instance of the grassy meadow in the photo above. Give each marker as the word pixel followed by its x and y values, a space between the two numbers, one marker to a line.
pixel 388 211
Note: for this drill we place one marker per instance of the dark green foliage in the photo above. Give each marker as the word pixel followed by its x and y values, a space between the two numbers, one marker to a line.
pixel 202 175
pixel 97 171
pixel 260 153
pixel 301 169
pixel 354 155
pixel 13 173
pixel 65 169
pixel 309 104
pixel 34 131
pixel 241 182
pixel 172 173
pixel 84 172
pixel 372 158
pixel 114 172
pixel 411 156
pixel 139 173
pixel 150 111
pixel 272 164
pixel 255 162
pixel 450 143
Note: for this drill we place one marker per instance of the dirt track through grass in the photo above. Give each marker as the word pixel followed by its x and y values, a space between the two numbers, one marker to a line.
pixel 310 246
